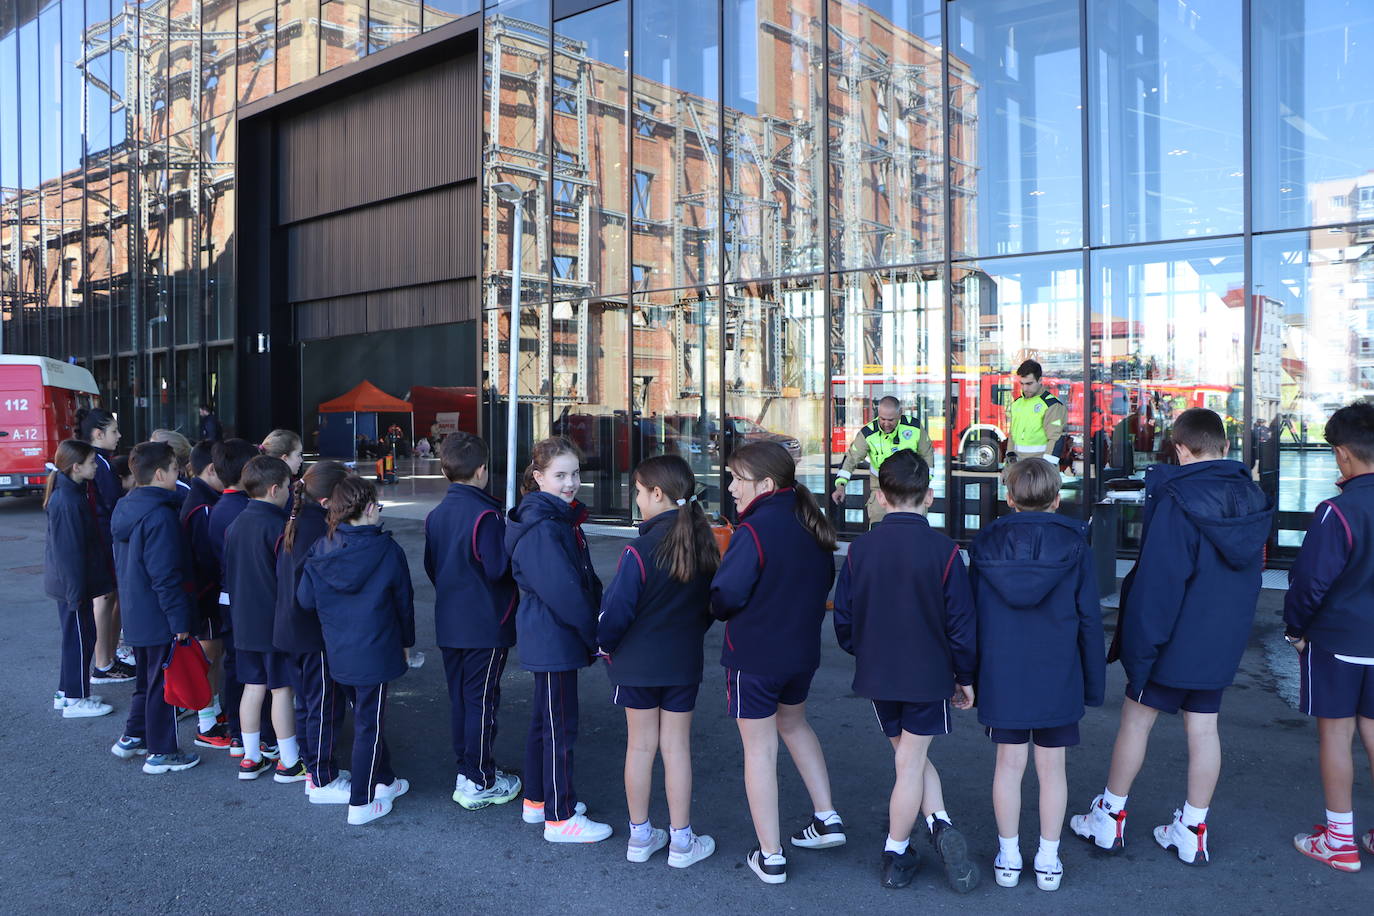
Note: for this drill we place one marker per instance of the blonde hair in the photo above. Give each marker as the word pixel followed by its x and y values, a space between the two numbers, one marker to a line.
pixel 181 446
pixel 280 443
pixel 1033 484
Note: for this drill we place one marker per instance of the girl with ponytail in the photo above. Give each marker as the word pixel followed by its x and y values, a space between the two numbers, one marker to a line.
pixel 98 427
pixel 74 573
pixel 654 617
pixel 771 589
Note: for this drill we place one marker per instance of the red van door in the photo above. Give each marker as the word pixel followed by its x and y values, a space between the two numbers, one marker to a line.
pixel 24 429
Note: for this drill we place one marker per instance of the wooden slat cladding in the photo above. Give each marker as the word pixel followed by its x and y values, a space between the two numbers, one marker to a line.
pixel 390 309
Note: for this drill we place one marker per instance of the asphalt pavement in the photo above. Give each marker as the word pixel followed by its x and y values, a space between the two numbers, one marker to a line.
pixel 86 832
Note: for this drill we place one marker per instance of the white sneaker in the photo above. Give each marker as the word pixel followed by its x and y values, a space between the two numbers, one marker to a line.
pixel 1191 842
pixel 1105 830
pixel 1008 874
pixel 701 848
pixel 125 655
pixel 60 701
pixel 366 814
pixel 1047 877
pixel 533 812
pixel 576 829
pixel 395 790
pixel 771 869
pixel 85 708
pixel 658 838
pixel 336 793
pixel 503 788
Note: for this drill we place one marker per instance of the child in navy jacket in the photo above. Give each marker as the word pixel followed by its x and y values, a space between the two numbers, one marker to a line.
pixel 556 624
pixel 1329 618
pixel 99 428
pixel 653 618
pixel 1040 656
pixel 74 573
pixel 154 570
pixel 296 632
pixel 904 611
pixel 770 589
pixel 358 581
pixel 250 579
pixel 1186 612
pixel 212 730
pixel 474 616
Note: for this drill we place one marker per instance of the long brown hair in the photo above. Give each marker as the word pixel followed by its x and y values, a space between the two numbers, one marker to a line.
pixel 545 450
pixel 348 500
pixel 280 443
pixel 690 549
pixel 70 453
pixel 770 461
pixel 317 484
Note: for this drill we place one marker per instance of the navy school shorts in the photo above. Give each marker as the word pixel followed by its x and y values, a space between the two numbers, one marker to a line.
pixel 755 696
pixel 1058 736
pixel 270 668
pixel 1172 699
pixel 1333 689
pixel 895 717
pixel 681 698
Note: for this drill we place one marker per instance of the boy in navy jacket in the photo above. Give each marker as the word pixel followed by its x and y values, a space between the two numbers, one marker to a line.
pixel 1039 656
pixel 1186 612
pixel 195 522
pixel 250 579
pixel 153 572
pixel 474 616
pixel 903 609
pixel 1329 618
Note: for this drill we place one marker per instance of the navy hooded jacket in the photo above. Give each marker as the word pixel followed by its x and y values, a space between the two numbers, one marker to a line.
pixel 358 583
pixel 770 589
pixel 651 624
pixel 106 490
pixel 231 502
pixel 154 569
pixel 250 573
pixel 466 559
pixel 1040 649
pixel 559 590
pixel 1186 618
pixel 195 522
pixel 295 629
pixel 74 568
pixel 903 609
pixel 1330 600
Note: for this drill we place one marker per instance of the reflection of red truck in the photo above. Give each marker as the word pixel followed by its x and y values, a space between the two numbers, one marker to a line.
pixel 429 402
pixel 39 398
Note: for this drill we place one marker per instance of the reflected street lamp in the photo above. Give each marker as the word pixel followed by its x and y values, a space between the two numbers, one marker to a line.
pixel 508 192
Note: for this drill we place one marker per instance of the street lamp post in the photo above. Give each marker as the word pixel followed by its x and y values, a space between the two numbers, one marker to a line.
pixel 508 192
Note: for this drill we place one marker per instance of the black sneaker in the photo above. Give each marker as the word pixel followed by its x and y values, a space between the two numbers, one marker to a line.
pixel 270 751
pixel 960 871
pixel 111 675
pixel 899 868
pixel 770 869
pixel 216 736
pixel 252 769
pixel 125 669
pixel 296 773
pixel 820 834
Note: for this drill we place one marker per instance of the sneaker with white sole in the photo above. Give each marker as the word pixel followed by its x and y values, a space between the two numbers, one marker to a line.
pixel 156 764
pixel 577 829
pixel 820 834
pixel 60 701
pixel 297 773
pixel 471 796
pixel 961 873
pixel 701 848
pixel 335 793
pixel 642 852
pixel 252 769
pixel 1104 829
pixel 85 708
pixel 1317 845
pixel 391 792
pixel 117 673
pixel 366 814
pixel 1047 877
pixel 127 747
pixel 533 812
pixel 771 869
pixel 899 868
pixel 1190 842
pixel 125 654
pixel 1007 873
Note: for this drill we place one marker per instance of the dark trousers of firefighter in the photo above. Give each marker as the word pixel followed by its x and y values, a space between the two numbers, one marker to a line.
pixel 322 709
pixel 548 772
pixel 371 758
pixel 150 718
pixel 474 693
pixel 78 644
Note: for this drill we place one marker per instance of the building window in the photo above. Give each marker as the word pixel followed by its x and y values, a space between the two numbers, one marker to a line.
pixel 564 199
pixel 643 185
pixel 639 275
pixel 644 112
pixel 564 267
pixel 1340 200
pixel 563 99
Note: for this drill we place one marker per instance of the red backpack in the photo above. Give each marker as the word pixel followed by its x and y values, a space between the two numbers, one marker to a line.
pixel 185 676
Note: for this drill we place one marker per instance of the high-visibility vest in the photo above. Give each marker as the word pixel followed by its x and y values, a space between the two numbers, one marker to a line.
pixel 905 435
pixel 1027 419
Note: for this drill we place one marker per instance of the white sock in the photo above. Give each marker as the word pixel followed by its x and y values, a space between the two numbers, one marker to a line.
pixel 1048 853
pixel 938 815
pixel 206 717
pixel 1009 850
pixel 252 746
pixel 681 838
pixel 290 751
pixel 1112 802
pixel 1193 816
pixel 640 833
pixel 897 846
pixel 1340 828
pixel 823 816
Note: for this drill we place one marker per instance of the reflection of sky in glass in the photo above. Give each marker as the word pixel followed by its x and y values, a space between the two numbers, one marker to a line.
pixel 603 30
pixel 675 43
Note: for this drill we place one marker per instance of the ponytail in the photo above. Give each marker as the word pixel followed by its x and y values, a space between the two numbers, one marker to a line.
pixel 545 450
pixel 316 484
pixel 69 454
pixel 814 520
pixel 349 500
pixel 689 550
pixel 769 460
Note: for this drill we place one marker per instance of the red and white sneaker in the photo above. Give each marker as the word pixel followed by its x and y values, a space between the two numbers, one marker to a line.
pixel 1317 846
pixel 577 829
pixel 1104 829
pixel 1190 841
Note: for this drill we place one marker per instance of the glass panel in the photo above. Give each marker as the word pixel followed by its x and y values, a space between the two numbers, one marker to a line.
pixel 217 227
pixel 183 82
pixel 1016 104
pixel 298 41
pixel 391 22
pixel 1165 101
pixel 1005 312
pixel 220 386
pixel 442 12
pixel 73 21
pixel 219 56
pixel 257 49
pixel 183 274
pixel 886 140
pixel 343 32
pixel 1314 352
pixel 676 141
pixel 1313 112
pixel 49 84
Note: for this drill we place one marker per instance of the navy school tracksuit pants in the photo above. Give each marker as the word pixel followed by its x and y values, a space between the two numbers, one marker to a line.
pixel 474 692
pixel 322 704
pixel 371 758
pixel 549 750
pixel 78 644
pixel 150 718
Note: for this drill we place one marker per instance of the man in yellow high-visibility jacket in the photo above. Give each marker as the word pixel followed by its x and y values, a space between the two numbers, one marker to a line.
pixel 1036 419
pixel 889 432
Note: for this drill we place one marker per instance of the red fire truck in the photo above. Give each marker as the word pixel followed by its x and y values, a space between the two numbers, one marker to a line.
pixel 39 398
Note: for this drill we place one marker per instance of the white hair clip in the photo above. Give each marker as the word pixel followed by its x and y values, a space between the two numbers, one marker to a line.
pixel 50 466
pixel 681 502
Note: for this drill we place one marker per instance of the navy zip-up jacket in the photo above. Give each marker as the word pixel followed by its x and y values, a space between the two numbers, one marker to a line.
pixel 651 624
pixel 903 609
pixel 1330 600
pixel 358 583
pixel 183 491
pixel 106 490
pixel 250 573
pixel 195 522
pixel 1186 618
pixel 559 590
pixel 231 503
pixel 770 590
pixel 154 571
pixel 295 629
pixel 1040 658
pixel 466 559
pixel 74 568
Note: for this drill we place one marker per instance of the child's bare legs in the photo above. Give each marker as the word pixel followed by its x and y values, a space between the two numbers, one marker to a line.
pixel 1337 763
pixel 1204 756
pixel 1366 727
pixel 283 713
pixel 641 744
pixel 760 739
pixel 106 631
pixel 1132 739
pixel 674 742
pixel 250 716
pixel 806 753
pixel 214 651
pixel 1054 791
pixel 905 804
pixel 932 792
pixel 1006 787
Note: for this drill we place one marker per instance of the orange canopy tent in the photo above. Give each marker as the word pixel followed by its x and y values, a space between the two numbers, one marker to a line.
pixel 339 438
pixel 366 398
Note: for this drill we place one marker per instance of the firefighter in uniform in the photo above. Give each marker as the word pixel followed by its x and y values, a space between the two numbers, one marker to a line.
pixel 1036 419
pixel 889 432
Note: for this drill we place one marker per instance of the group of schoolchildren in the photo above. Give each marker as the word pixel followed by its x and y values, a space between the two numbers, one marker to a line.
pixel 305 604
